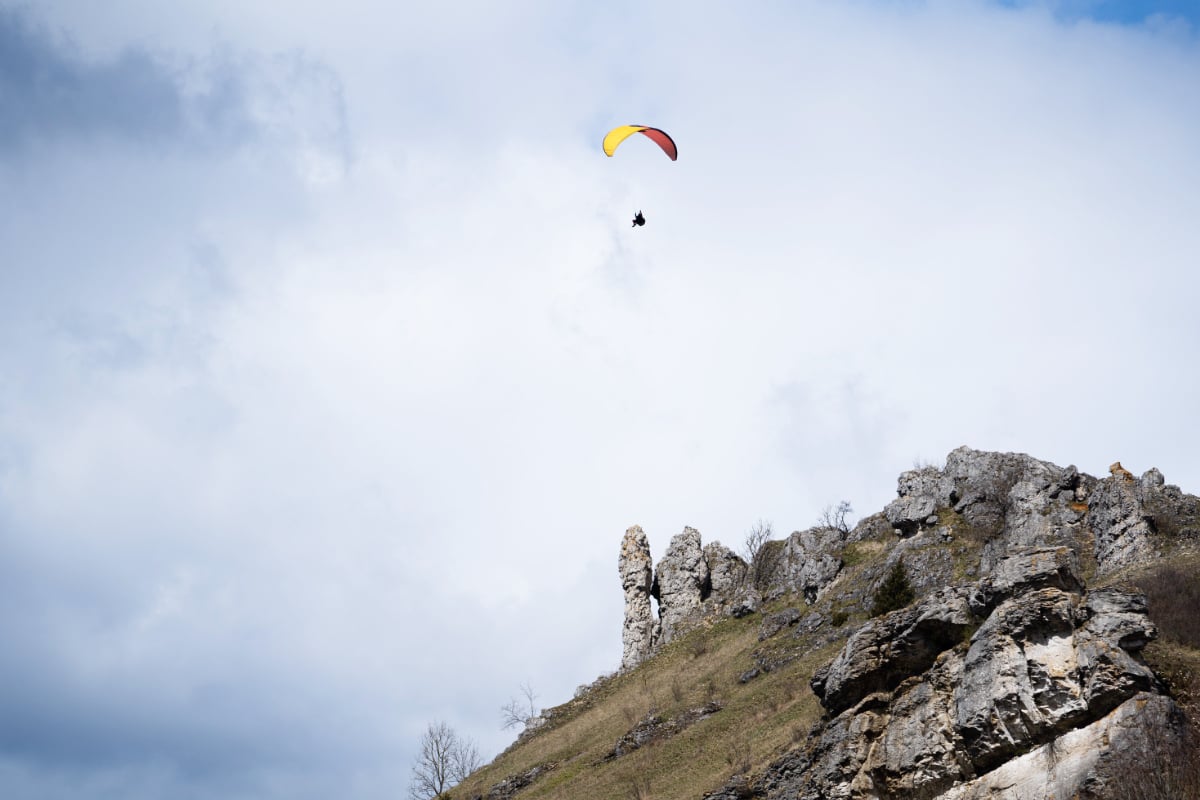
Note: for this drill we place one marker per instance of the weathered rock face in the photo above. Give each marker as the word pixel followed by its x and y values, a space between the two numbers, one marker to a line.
pixel 808 562
pixel 1086 762
pixel 726 576
pixel 681 582
pixel 919 708
pixel 889 649
pixel 641 628
pixel 690 584
pixel 921 493
pixel 1033 568
pixel 1019 502
pixel 1013 501
pixel 1119 517
pixel 1006 679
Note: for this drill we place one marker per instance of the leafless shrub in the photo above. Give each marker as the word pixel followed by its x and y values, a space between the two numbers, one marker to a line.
pixel 698 646
pixel 635 777
pixel 677 690
pixel 1175 515
pixel 834 518
pixel 519 710
pixel 1180 678
pixel 1173 596
pixel 988 505
pixel 466 759
pixel 1163 764
pixel 638 787
pixel 739 756
pixel 762 554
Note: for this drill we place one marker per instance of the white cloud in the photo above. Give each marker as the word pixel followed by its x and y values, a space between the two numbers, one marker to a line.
pixel 294 436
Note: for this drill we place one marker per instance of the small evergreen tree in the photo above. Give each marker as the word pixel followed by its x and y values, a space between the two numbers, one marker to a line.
pixel 895 591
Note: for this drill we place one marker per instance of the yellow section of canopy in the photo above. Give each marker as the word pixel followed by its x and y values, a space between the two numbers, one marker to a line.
pixel 618 135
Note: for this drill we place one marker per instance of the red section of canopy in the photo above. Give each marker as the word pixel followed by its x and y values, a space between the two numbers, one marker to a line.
pixel 663 141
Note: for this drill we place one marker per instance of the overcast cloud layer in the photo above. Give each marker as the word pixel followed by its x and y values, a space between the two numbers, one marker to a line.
pixel 331 371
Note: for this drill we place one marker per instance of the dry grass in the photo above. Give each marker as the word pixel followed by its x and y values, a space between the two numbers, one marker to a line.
pixel 759 721
pixel 1165 765
pixel 769 715
pixel 1169 770
pixel 1173 595
pixel 1178 666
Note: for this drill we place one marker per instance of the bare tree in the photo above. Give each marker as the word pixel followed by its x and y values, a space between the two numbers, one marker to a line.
pixel 444 760
pixel 519 711
pixel 835 518
pixel 762 555
pixel 466 759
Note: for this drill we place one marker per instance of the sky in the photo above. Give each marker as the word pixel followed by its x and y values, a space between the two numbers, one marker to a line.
pixel 332 370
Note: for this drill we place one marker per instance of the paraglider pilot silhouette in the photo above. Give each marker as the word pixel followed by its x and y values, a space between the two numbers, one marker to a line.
pixel 623 132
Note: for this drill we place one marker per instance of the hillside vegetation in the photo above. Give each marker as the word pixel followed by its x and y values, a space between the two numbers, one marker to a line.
pixel 725 705
pixel 758 720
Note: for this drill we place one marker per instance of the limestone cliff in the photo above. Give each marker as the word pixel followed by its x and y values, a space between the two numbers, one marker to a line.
pixel 974 689
pixel 637 570
pixel 1041 641
pixel 1010 500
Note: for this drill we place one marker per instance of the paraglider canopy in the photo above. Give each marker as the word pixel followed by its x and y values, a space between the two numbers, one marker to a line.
pixel 623 132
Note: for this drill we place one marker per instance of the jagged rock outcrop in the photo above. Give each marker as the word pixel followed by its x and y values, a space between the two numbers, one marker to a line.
pixel 1033 568
pixel 694 581
pixel 1010 500
pixel 889 649
pixel 1087 763
pixel 1118 514
pixel 726 576
pixel 921 492
pixel 809 562
pixel 691 582
pixel 1006 678
pixel 513 785
pixel 929 698
pixel 641 627
pixel 1017 501
pixel 681 582
pixel 654 727
pixel 774 623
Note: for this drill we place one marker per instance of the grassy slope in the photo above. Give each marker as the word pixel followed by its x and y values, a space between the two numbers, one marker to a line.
pixel 759 720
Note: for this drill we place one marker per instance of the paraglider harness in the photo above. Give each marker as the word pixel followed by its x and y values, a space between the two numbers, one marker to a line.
pixel 638 219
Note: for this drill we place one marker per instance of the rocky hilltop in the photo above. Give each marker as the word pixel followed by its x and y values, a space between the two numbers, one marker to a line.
pixel 1014 666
